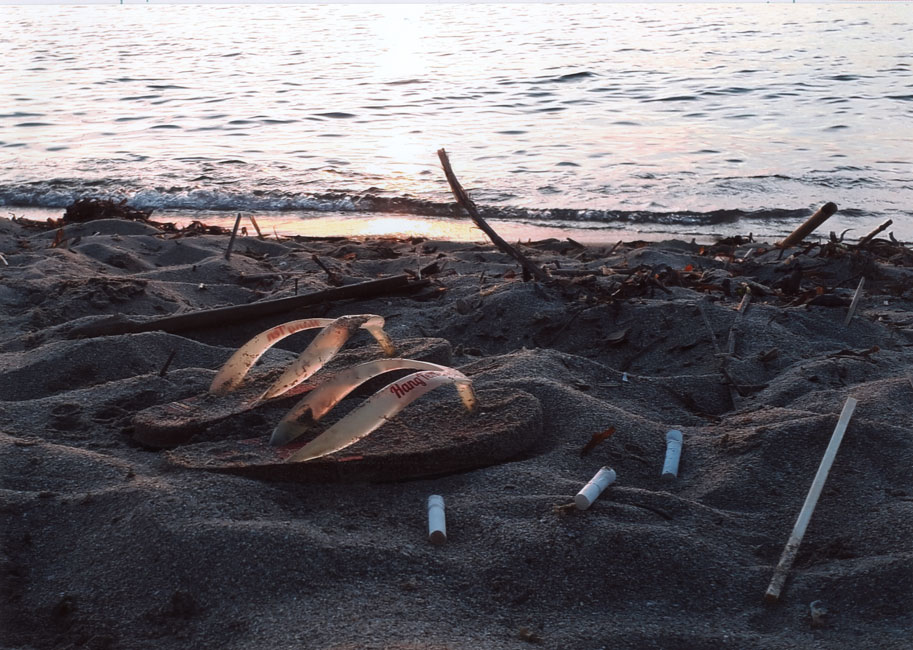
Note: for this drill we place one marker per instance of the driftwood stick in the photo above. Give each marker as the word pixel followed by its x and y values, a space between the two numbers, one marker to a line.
pixel 224 315
pixel 824 213
pixel 865 240
pixel 256 226
pixel 795 539
pixel 855 302
pixel 231 241
pixel 466 203
pixel 736 324
pixel 734 329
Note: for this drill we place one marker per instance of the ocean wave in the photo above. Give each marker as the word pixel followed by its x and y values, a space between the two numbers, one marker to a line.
pixel 59 194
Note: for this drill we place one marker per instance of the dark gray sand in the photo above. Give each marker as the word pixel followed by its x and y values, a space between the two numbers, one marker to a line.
pixel 105 544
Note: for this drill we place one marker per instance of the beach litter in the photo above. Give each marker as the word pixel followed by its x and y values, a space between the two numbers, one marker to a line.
pixel 428 439
pixel 234 389
pixel 437 523
pixel 673 454
pixel 304 415
pixel 379 409
pixel 591 491
pixel 808 508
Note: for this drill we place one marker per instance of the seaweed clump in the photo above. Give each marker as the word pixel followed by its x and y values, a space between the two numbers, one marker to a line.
pixel 90 209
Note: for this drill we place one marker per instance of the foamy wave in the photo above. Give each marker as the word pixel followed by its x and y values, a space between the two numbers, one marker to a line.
pixel 53 196
pixel 60 193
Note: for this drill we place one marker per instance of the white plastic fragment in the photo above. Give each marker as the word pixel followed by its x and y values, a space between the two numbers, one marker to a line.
pixel 437 523
pixel 594 488
pixel 624 376
pixel 673 453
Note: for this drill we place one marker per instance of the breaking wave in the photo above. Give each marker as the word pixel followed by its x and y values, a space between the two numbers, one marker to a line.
pixel 60 193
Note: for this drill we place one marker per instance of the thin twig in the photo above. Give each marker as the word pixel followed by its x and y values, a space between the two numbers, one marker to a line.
pixel 716 346
pixel 855 302
pixel 736 324
pixel 529 269
pixel 168 361
pixel 256 226
pixel 234 233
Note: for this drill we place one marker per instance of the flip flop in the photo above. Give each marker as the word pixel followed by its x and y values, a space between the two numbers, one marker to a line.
pixel 305 415
pixel 431 438
pixel 235 390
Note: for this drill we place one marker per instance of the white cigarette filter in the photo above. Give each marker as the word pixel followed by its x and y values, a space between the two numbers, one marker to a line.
pixel 437 523
pixel 594 488
pixel 673 453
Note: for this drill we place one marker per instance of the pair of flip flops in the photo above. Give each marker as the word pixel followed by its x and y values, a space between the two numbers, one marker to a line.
pixel 439 435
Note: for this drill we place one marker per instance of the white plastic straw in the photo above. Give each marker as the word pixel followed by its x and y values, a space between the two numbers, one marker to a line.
pixel 792 546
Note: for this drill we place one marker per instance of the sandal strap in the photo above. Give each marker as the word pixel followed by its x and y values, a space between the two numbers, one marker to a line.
pixel 380 407
pixel 232 373
pixel 324 347
pixel 327 395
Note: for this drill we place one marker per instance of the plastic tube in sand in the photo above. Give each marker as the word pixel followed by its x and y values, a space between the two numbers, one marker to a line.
pixel 594 488
pixel 673 454
pixel 437 524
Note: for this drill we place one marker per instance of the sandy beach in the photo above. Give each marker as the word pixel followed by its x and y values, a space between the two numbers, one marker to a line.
pixel 108 543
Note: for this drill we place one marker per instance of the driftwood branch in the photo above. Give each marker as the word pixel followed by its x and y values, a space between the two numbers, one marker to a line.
pixel 824 213
pixel 865 240
pixel 224 315
pixel 529 269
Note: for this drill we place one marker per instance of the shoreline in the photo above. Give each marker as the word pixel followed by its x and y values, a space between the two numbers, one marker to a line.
pixel 109 543
pixel 372 224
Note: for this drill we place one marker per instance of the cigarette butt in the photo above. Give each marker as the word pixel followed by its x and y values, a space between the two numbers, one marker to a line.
pixel 437 524
pixel 673 453
pixel 594 488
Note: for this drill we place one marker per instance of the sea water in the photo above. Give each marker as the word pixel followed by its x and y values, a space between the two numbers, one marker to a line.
pixel 676 119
